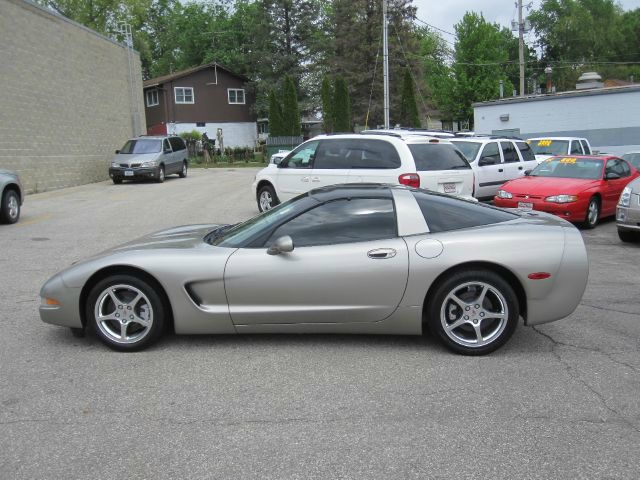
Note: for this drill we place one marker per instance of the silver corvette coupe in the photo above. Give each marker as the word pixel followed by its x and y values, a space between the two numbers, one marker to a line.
pixel 369 259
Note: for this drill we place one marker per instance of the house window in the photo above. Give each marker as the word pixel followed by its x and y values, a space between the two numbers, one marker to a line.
pixel 184 94
pixel 152 98
pixel 236 95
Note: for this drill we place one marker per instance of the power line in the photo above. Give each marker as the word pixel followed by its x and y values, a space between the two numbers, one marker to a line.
pixel 436 28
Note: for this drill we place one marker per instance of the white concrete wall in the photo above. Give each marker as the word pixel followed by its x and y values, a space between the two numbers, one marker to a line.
pixel 610 121
pixel 240 134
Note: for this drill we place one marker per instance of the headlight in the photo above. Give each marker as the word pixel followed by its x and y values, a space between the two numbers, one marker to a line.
pixel 625 197
pixel 152 163
pixel 504 194
pixel 114 164
pixel 562 198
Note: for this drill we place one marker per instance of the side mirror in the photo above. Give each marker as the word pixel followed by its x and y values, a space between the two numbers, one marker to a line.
pixel 527 173
pixel 117 152
pixel 166 150
pixel 486 161
pixel 612 176
pixel 281 245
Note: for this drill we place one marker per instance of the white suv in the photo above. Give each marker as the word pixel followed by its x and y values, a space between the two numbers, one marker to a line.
pixel 547 147
pixel 417 161
pixel 495 161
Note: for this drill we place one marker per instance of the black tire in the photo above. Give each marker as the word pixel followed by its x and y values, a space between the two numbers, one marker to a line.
pixel 132 336
pixel 184 170
pixel 267 192
pixel 161 174
pixel 589 220
pixel 10 207
pixel 117 180
pixel 494 332
pixel 628 236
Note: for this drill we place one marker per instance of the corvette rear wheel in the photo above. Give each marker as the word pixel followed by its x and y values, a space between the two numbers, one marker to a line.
pixel 125 312
pixel 473 312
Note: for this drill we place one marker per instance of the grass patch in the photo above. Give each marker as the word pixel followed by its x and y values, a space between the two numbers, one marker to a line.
pixel 228 162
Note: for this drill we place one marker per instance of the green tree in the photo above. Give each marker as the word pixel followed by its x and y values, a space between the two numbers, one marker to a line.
pixel 408 109
pixel 341 106
pixel 276 126
pixel 326 94
pixel 290 111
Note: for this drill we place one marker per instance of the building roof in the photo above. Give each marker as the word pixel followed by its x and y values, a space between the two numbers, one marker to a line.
pixel 555 96
pixel 152 82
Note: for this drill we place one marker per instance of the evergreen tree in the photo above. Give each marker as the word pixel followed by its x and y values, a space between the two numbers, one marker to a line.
pixel 326 94
pixel 290 112
pixel 341 106
pixel 276 127
pixel 409 115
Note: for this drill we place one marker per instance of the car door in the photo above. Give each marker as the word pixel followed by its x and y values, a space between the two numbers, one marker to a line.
pixel 332 161
pixel 176 156
pixel 575 148
pixel 348 266
pixel 490 170
pixel 513 166
pixel 294 172
pixel 528 158
pixel 373 160
pixel 167 156
pixel 585 147
pixel 614 186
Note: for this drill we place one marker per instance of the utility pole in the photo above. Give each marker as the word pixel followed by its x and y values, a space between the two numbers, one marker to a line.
pixel 385 62
pixel 521 47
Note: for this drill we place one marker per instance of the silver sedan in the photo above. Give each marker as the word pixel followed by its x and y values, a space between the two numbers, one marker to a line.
pixel 369 259
pixel 628 213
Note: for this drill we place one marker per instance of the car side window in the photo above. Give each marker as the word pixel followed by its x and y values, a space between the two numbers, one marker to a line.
pixel 177 144
pixel 341 221
pixel 585 147
pixel 576 148
pixel 525 151
pixel 490 155
pixel 626 170
pixel 618 167
pixel 166 145
pixel 509 152
pixel 301 157
pixel 356 153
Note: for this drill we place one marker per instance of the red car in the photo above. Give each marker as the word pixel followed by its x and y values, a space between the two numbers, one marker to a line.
pixel 580 189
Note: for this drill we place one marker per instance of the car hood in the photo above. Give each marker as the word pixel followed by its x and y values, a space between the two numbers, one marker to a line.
pixel 186 236
pixel 135 158
pixel 548 185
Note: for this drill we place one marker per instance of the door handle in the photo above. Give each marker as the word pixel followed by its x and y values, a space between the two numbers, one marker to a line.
pixel 519 168
pixel 381 253
pixel 501 170
pixel 304 179
pixel 315 179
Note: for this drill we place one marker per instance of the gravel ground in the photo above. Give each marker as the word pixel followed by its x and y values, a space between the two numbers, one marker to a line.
pixel 558 401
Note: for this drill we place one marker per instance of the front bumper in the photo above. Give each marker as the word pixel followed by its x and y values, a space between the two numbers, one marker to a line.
pixel 137 173
pixel 67 312
pixel 572 212
pixel 628 218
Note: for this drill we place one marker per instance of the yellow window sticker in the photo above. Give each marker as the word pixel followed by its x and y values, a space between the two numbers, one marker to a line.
pixel 544 143
pixel 568 160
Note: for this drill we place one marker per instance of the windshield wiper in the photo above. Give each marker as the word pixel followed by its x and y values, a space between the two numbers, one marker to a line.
pixel 217 233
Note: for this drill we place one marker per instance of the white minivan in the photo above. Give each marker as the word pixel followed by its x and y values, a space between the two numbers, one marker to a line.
pixel 495 161
pixel 418 161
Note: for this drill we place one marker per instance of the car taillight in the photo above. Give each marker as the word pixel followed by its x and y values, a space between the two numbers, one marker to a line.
pixel 410 180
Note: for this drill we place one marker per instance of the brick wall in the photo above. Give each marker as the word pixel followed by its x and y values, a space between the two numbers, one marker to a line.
pixel 66 101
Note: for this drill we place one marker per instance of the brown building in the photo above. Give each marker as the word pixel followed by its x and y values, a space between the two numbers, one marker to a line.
pixel 205 98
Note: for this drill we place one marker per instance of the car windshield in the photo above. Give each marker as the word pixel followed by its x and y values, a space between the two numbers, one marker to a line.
pixel 544 146
pixel 237 235
pixel 437 156
pixel 569 167
pixel 633 159
pixel 468 149
pixel 145 145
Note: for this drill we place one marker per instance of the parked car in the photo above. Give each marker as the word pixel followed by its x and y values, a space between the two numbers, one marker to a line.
pixel 578 189
pixel 628 212
pixel 546 147
pixel 633 158
pixel 152 157
pixel 277 157
pixel 388 157
pixel 11 197
pixel 495 160
pixel 371 259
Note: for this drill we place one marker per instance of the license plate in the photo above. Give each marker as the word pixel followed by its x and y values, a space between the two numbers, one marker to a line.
pixel 449 188
pixel 525 206
pixel 128 173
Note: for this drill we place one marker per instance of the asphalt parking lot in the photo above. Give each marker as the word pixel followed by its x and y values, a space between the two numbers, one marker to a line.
pixel 558 401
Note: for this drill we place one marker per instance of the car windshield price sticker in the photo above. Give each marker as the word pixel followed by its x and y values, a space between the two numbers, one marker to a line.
pixel 568 160
pixel 544 143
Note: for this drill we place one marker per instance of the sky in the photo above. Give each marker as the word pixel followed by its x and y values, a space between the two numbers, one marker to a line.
pixel 444 14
